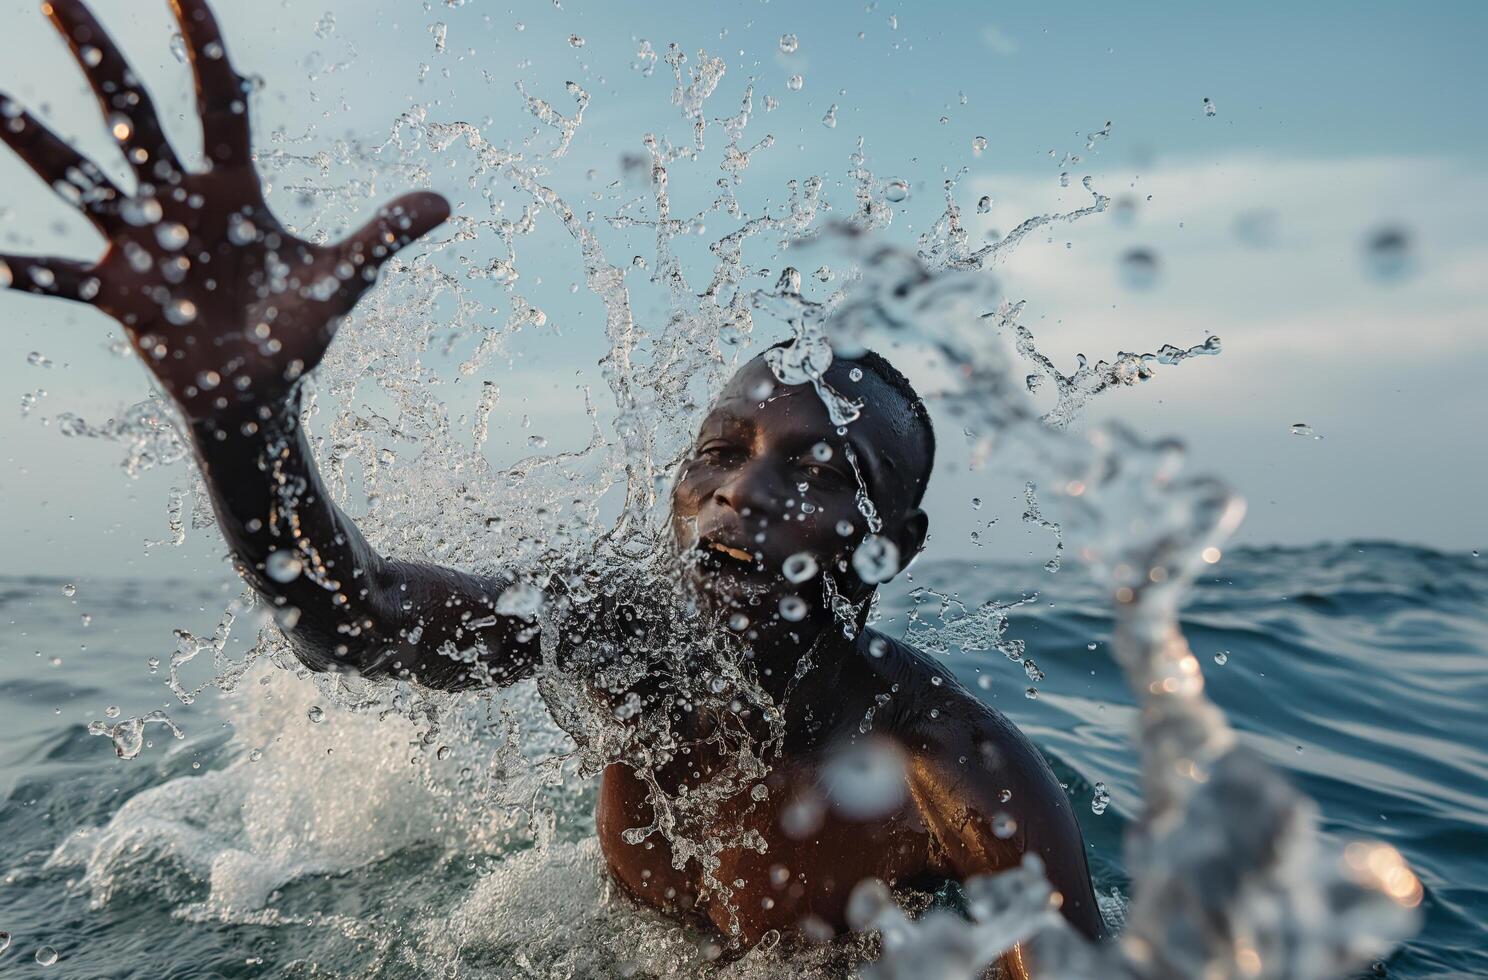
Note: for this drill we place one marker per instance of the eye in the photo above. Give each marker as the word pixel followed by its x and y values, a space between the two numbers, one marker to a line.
pixel 718 452
pixel 822 473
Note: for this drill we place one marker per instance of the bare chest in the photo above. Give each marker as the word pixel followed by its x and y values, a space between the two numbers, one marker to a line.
pixel 784 857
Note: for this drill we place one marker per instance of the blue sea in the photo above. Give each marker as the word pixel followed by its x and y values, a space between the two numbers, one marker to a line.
pixel 1361 670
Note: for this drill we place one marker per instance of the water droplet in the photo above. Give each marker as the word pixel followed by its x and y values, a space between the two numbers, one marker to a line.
pixel 976 503
pixel 46 955
pixel 1031 694
pixel 43 277
pixel 855 374
pixel 178 47
pixel 845 528
pixel 789 43
pixel 865 780
pixel 877 647
pixel 316 714
pixel 802 816
pixel 1209 109
pixel 4 941
pixel 1388 254
pixel 172 235
pixel 153 663
pixel 876 559
pixel 798 567
pixel 92 57
pixel 1100 799
pixel 794 83
pixel 984 204
pixel 283 566
pixel 255 755
pixel 120 126
pixel 521 599
pixel 1139 269
pixel 1303 429
pixel 537 442
pixel 984 681
pixel 69 590
pixel 793 608
pixel 574 41
pixel 1003 826
pixel 140 211
pixel 830 119
pixel 38 359
pixel 180 311
pixel 241 231
pixel 738 622
pixel 896 190
pixel 1222 658
pixel 139 258
pixel 112 711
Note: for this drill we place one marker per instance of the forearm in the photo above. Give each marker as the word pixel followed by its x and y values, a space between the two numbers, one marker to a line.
pixel 222 333
pixel 342 605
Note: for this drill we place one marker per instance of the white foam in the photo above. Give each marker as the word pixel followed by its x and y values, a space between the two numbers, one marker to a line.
pixel 323 798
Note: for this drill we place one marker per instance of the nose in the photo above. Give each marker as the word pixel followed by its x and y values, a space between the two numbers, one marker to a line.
pixel 752 489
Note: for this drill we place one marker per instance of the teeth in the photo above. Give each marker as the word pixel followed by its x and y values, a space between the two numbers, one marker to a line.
pixel 732 552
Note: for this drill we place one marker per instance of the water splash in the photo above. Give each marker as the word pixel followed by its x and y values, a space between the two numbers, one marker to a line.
pixel 128 735
pixel 1229 873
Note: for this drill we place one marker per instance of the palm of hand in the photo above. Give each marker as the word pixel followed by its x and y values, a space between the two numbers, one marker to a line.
pixel 222 303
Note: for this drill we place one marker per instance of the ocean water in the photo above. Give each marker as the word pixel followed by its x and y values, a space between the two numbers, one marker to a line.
pixel 286 836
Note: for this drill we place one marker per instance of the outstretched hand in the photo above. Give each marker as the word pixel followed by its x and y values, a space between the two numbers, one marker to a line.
pixel 224 305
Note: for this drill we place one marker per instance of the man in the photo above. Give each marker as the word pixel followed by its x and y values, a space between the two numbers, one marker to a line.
pixel 866 760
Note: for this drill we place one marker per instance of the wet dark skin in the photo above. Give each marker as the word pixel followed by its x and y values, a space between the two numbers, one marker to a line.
pixel 231 320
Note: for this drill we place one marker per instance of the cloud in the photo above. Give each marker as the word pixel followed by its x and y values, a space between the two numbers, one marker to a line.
pixel 1266 251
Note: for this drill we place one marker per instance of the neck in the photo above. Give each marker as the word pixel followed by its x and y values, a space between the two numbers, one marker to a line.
pixel 798 662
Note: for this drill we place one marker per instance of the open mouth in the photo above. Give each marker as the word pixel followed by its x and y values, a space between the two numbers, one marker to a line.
pixel 738 554
pixel 727 559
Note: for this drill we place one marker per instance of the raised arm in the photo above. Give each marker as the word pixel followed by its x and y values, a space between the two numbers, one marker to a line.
pixel 229 311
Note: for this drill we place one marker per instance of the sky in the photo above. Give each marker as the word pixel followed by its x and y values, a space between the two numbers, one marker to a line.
pixel 1332 123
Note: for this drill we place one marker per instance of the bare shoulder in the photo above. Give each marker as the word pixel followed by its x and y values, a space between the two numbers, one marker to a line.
pixel 938 720
pixel 982 785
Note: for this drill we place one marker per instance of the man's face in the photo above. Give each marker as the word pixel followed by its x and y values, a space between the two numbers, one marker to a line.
pixel 771 478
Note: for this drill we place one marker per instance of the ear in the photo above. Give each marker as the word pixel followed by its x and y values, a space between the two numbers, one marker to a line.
pixel 910 535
